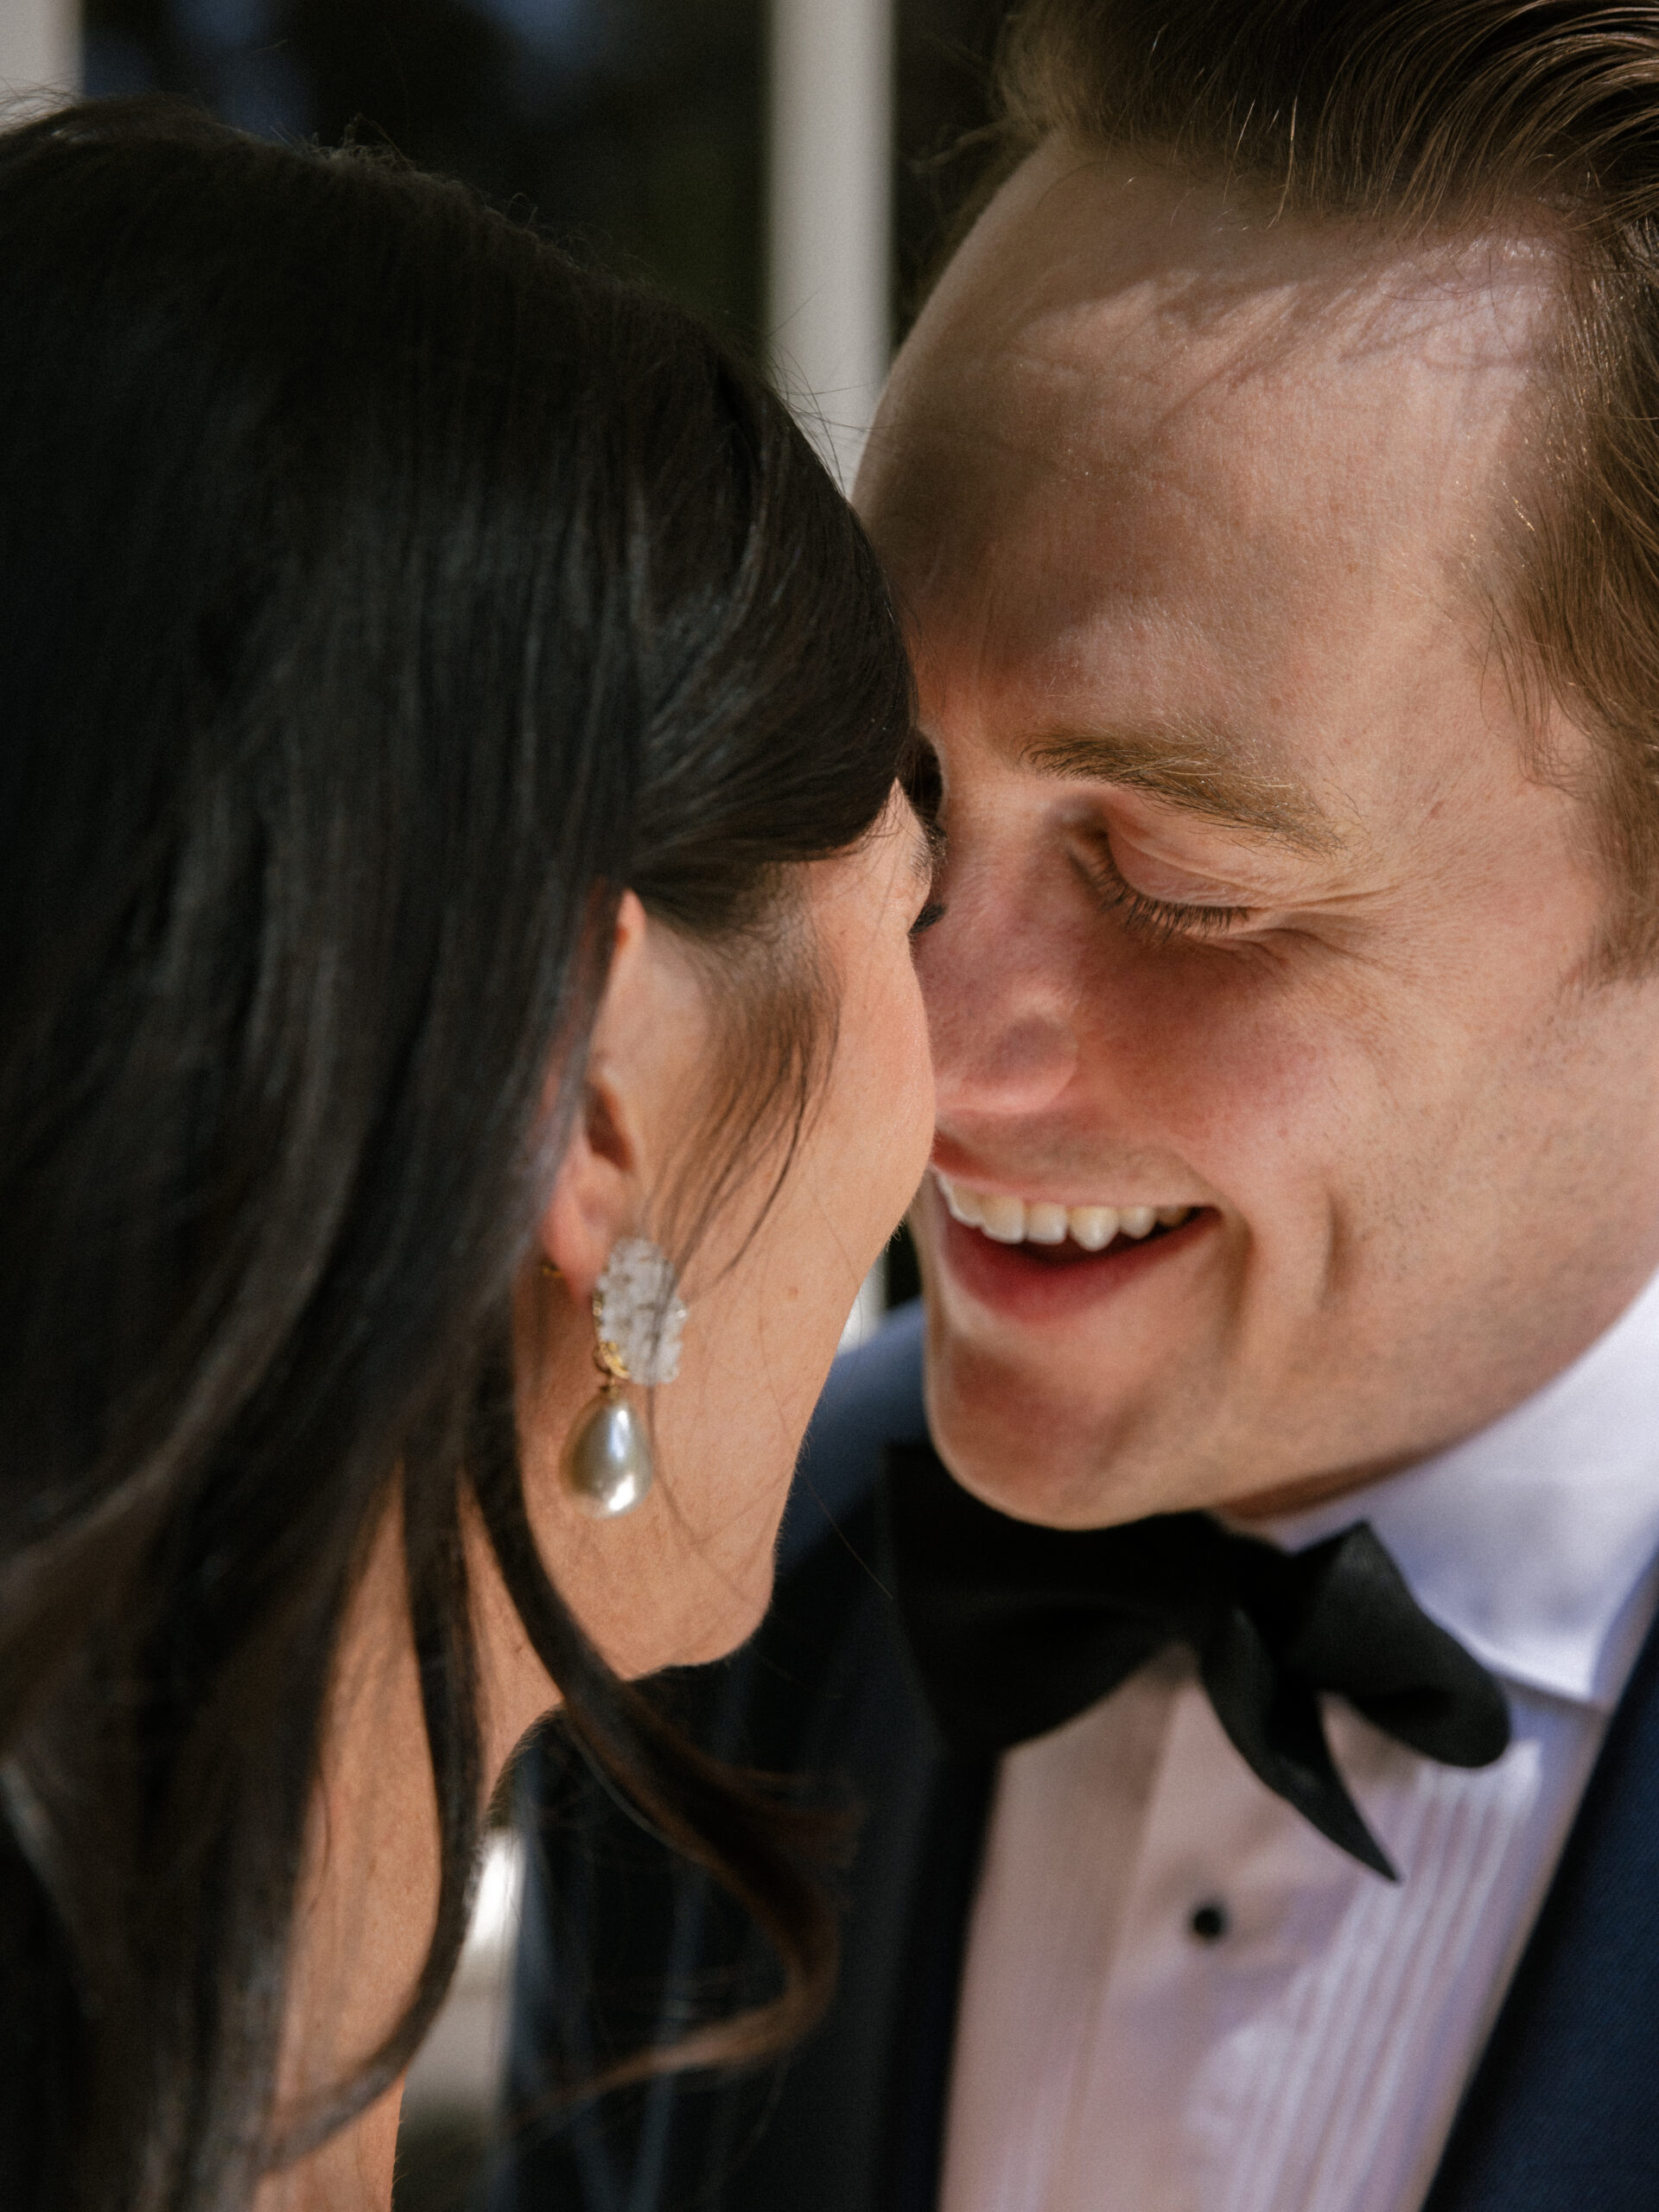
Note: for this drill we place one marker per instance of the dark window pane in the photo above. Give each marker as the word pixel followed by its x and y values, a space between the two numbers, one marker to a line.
pixel 633 125
pixel 943 96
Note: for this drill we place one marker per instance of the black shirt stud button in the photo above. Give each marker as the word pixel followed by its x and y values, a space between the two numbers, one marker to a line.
pixel 1210 1920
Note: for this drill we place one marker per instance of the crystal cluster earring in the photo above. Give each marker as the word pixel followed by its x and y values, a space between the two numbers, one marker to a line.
pixel 639 1316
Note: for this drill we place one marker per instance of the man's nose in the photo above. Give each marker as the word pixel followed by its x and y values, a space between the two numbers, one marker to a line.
pixel 1000 1009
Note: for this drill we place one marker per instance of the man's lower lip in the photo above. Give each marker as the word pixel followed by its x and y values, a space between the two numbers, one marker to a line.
pixel 1034 1283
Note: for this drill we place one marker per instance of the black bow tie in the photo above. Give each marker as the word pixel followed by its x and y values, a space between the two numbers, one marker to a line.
pixel 1014 1629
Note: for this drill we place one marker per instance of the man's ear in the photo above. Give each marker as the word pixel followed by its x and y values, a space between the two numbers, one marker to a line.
pixel 597 1193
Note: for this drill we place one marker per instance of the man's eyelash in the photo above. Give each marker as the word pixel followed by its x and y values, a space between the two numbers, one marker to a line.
pixel 1156 919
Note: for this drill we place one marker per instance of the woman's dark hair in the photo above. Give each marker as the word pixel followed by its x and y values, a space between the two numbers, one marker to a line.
pixel 381 592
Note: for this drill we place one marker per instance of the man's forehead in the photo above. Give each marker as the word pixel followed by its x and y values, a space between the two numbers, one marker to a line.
pixel 1103 308
pixel 1093 486
pixel 1132 242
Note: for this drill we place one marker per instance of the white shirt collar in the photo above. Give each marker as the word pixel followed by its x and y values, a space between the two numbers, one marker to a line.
pixel 1534 1541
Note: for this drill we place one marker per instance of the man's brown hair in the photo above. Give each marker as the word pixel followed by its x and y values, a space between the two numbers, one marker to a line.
pixel 1430 118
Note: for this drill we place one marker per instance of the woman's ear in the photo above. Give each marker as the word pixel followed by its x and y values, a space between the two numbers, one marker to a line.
pixel 598 1193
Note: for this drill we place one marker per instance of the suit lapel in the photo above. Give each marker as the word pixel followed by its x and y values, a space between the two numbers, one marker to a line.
pixel 859 2111
pixel 941 1875
pixel 1563 2108
pixel 944 1875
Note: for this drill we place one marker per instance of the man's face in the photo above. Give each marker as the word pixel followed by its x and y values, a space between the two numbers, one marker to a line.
pixel 1258 917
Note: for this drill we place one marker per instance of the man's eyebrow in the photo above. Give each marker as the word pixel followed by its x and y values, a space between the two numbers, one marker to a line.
pixel 1199 771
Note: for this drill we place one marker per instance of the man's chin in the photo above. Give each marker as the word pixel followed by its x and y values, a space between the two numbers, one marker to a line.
pixel 1037 1454
pixel 1069 1387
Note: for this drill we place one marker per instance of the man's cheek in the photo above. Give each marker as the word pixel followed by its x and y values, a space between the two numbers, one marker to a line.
pixel 1234 1099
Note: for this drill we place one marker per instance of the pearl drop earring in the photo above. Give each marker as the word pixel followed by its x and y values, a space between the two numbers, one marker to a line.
pixel 637 1318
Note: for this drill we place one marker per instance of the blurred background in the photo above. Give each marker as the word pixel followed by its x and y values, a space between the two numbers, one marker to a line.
pixel 774 163
pixel 785 167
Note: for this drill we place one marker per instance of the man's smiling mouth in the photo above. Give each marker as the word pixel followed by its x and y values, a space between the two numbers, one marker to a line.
pixel 1009 1220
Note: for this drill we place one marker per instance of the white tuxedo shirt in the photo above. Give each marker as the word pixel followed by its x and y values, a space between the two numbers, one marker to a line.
pixel 1179 1996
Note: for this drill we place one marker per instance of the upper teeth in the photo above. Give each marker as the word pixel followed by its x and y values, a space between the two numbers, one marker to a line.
pixel 1015 1221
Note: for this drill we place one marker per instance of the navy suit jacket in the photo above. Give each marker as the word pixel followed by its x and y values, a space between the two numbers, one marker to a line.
pixel 1562 2115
